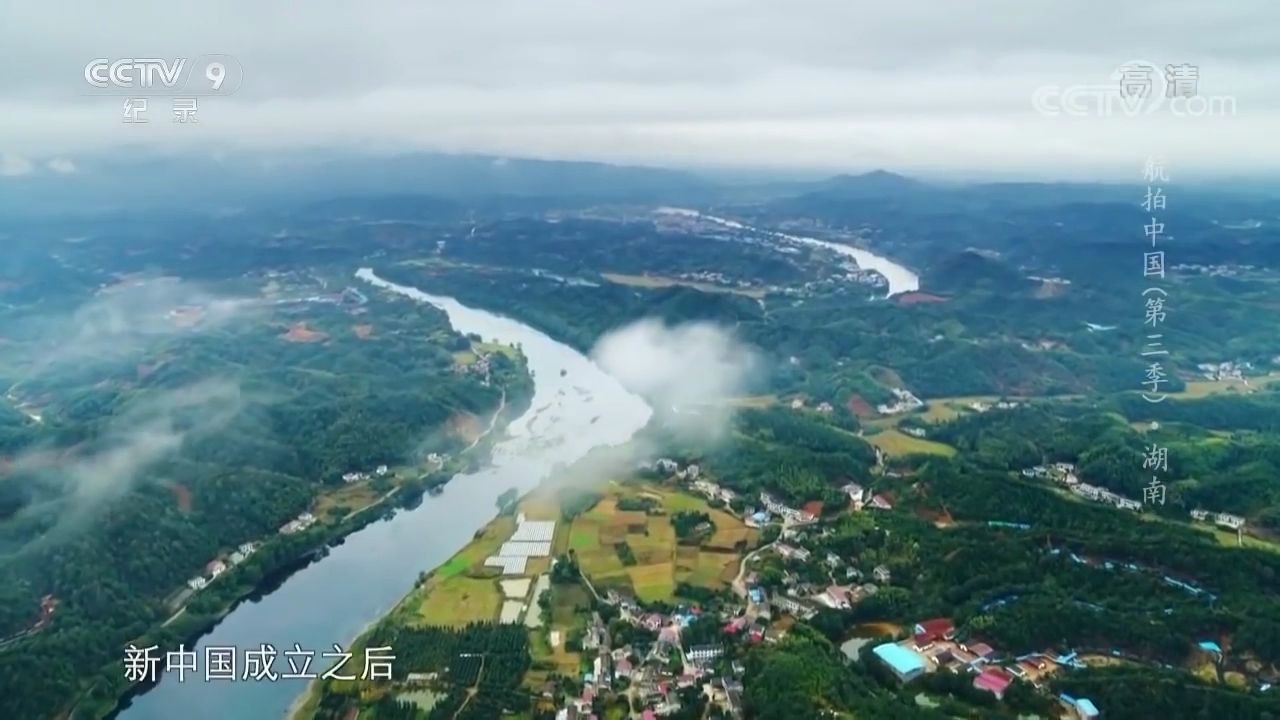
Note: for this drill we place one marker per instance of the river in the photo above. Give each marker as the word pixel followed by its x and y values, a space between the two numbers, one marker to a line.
pixel 333 599
pixel 900 278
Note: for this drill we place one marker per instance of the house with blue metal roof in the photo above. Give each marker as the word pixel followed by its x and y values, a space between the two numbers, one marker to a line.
pixel 905 663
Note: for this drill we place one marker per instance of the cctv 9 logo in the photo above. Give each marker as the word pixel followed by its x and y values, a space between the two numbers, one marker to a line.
pixel 204 75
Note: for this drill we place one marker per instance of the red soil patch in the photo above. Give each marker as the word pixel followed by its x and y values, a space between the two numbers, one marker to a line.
pixel 465 426
pixel 182 496
pixel 917 298
pixel 859 406
pixel 300 333
pixel 364 332
pixel 813 507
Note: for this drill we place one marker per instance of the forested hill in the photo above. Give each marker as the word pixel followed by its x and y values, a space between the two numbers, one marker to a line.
pixel 133 467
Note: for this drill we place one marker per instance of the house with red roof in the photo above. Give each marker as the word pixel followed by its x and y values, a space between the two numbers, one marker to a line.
pixel 929 631
pixel 980 650
pixel 994 680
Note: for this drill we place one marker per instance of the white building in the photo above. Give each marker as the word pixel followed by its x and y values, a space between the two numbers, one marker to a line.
pixel 1227 520
pixel 197 582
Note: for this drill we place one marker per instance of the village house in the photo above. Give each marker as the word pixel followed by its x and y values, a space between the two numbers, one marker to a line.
pixel 1227 520
pixel 905 401
pixel 381 471
pixel 881 574
pixel 704 653
pixel 914 431
pixel 197 582
pixel 926 632
pixel 215 568
pixel 980 651
pixel 904 663
pixel 994 680
pixel 1125 503
pixel 856 494
pixel 880 502
pixel 1201 515
pixel 791 552
pixel 794 607
pixel 835 597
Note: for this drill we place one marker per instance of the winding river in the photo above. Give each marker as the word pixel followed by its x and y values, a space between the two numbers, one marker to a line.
pixel 900 278
pixel 333 599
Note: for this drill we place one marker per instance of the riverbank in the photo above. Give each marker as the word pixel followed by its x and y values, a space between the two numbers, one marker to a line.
pixel 334 600
pixel 252 582
pixel 464 590
pixel 281 557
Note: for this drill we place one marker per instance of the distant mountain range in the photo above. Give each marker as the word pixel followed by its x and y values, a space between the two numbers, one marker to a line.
pixel 142 179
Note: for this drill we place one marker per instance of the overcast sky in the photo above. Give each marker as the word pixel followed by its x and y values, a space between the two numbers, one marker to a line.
pixel 924 86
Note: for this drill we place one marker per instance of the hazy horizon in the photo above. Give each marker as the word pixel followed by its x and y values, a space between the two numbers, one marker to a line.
pixel 817 86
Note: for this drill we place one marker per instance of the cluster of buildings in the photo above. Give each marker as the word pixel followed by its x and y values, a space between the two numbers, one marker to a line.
pixel 1225 370
pixel 217 566
pixel 654 673
pixel 933 646
pixel 1223 520
pixel 714 278
pixel 862 498
pixel 480 367
pixel 355 477
pixel 790 515
pixel 1065 474
pixel 712 491
pixel 1215 270
pixel 804 599
pixel 904 401
pixel 981 406
pixel 672 468
pixel 298 524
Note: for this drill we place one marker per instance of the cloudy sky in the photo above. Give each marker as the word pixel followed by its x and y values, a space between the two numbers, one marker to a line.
pixel 924 86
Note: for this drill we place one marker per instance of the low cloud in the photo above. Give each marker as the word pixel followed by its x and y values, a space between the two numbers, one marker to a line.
pixel 14 165
pixel 688 372
pixel 62 166
pixel 126 320
pixel 144 434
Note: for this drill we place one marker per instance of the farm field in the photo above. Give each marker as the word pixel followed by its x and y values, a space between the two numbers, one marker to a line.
pixel 895 442
pixel 1204 388
pixel 460 600
pixel 660 563
pixel 658 281
pixel 463 590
